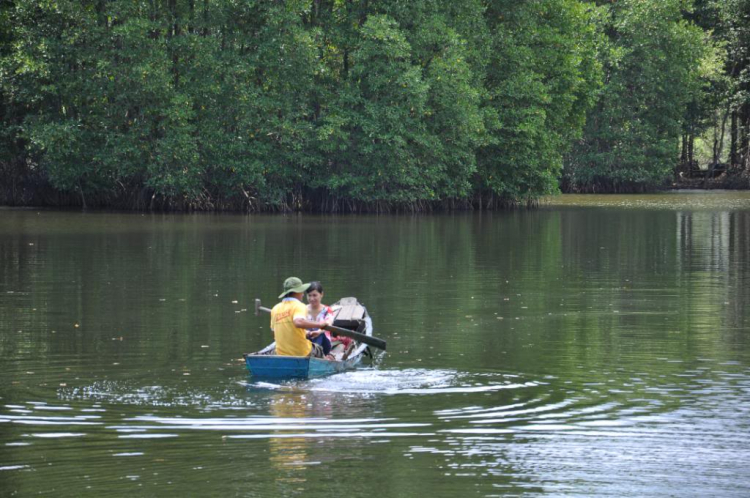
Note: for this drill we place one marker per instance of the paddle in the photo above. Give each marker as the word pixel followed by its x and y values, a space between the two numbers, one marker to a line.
pixel 359 337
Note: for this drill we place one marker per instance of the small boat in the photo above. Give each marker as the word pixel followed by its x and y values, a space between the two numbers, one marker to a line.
pixel 349 314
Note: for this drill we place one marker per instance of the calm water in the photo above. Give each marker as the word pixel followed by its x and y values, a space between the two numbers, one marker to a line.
pixel 596 346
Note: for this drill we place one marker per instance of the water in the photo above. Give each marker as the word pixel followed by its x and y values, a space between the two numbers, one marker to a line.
pixel 596 346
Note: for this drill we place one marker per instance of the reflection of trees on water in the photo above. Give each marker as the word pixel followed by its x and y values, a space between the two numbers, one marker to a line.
pixel 600 287
pixel 440 288
pixel 739 275
pixel 713 250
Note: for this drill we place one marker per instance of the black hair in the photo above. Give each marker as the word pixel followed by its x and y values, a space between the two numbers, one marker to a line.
pixel 315 286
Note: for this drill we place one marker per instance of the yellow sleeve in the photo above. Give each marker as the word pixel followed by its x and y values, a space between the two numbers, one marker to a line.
pixel 300 311
pixel 272 313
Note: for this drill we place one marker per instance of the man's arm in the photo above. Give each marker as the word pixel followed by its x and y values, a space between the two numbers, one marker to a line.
pixel 304 323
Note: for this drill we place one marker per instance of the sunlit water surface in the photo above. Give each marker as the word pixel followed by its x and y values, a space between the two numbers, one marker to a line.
pixel 597 346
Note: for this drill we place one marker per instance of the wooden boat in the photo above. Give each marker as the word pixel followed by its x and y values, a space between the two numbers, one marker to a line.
pixel 349 314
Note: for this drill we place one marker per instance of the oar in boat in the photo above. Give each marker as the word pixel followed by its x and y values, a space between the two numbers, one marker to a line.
pixel 359 337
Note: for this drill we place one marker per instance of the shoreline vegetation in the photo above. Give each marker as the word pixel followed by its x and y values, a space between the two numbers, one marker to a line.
pixel 51 198
pixel 358 106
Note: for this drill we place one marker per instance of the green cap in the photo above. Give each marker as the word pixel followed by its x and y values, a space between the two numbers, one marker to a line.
pixel 293 284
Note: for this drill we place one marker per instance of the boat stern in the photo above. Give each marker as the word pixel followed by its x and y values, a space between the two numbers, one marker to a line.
pixel 275 367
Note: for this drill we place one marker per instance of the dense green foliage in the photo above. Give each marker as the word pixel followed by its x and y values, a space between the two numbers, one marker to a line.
pixel 350 104
pixel 652 59
pixel 729 96
pixel 676 72
pixel 540 85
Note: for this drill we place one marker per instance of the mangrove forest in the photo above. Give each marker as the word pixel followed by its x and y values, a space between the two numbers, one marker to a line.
pixel 365 105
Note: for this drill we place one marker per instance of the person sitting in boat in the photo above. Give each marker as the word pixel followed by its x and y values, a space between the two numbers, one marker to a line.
pixel 318 311
pixel 289 321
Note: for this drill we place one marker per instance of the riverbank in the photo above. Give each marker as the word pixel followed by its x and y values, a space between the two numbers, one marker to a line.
pixel 22 195
pixel 722 182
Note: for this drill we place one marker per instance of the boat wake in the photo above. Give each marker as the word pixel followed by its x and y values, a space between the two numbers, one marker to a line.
pixel 246 391
pixel 409 381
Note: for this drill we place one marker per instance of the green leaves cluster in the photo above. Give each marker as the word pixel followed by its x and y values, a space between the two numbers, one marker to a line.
pixel 653 59
pixel 336 104
pixel 542 75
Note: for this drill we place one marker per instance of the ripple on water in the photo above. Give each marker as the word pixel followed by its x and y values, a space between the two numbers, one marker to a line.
pixel 14 467
pixel 415 381
pixel 127 393
pixel 498 423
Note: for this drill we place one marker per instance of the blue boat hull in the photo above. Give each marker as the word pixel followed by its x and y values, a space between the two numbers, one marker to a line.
pixel 295 367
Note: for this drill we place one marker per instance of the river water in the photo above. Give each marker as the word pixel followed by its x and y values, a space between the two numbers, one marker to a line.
pixel 596 346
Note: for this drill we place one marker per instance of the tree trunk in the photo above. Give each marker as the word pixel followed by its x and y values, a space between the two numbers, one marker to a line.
pixel 717 156
pixel 733 159
pixel 716 150
pixel 205 18
pixel 691 147
pixel 191 21
pixel 743 129
pixel 174 32
pixel 684 153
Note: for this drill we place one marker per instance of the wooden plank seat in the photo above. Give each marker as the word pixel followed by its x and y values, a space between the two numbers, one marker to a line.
pixel 349 314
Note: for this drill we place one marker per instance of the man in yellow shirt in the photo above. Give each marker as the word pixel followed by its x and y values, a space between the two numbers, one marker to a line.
pixel 289 321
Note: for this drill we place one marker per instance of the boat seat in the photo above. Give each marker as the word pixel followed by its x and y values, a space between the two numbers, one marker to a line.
pixel 350 314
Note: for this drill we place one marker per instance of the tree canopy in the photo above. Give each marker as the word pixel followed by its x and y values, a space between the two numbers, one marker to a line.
pixel 341 105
